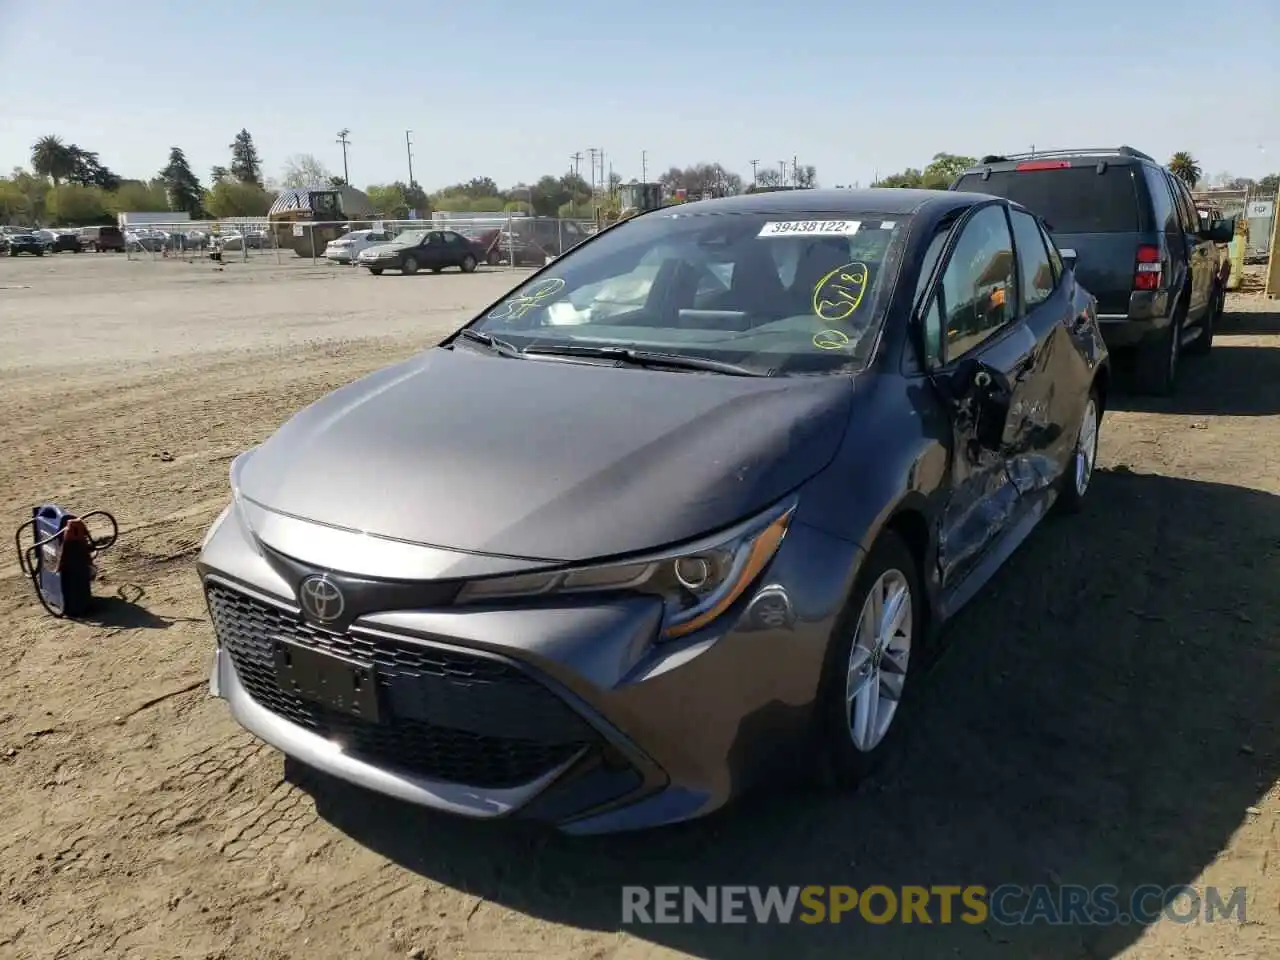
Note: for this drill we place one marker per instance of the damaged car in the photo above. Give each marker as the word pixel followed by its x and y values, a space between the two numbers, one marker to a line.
pixel 696 495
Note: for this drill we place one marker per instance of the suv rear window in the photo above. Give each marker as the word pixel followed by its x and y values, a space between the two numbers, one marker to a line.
pixel 1071 199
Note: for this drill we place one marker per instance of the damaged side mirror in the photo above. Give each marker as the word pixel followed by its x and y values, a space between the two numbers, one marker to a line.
pixel 980 396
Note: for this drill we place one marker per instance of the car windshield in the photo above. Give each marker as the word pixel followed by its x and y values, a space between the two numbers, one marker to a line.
pixel 790 293
pixel 410 236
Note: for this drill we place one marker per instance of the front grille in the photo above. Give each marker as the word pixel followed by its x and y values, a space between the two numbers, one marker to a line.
pixel 446 713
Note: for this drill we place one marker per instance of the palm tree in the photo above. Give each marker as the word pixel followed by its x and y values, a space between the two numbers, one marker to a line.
pixel 52 158
pixel 1183 166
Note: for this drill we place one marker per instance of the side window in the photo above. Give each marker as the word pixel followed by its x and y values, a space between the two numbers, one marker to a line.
pixel 1055 258
pixel 433 240
pixel 930 260
pixel 1034 268
pixel 1186 208
pixel 1162 209
pixel 978 284
pixel 932 319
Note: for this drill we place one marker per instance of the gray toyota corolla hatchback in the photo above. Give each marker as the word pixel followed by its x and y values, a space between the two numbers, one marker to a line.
pixel 698 492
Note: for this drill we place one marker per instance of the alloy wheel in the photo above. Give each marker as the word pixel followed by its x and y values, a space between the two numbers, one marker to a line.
pixel 878 660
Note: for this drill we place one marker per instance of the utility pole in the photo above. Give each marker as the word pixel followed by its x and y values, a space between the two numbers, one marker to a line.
pixel 577 159
pixel 644 166
pixel 408 149
pixel 782 172
pixel 591 153
pixel 795 171
pixel 342 139
pixel 755 164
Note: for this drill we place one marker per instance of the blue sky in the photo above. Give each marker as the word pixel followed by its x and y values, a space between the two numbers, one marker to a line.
pixel 510 90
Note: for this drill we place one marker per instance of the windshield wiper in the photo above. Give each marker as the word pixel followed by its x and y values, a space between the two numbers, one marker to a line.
pixel 496 344
pixel 647 358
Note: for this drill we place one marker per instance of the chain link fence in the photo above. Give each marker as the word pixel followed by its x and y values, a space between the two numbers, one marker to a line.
pixel 498 241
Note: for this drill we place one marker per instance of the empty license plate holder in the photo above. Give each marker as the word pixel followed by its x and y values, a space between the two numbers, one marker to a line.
pixel 339 683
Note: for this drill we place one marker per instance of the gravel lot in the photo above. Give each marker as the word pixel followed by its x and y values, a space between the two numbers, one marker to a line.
pixel 1105 713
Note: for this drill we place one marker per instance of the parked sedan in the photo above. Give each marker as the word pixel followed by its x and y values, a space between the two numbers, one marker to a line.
pixel 349 246
pixel 418 249
pixel 27 243
pixel 693 496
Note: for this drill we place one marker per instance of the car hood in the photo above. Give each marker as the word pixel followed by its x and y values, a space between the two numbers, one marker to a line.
pixel 546 460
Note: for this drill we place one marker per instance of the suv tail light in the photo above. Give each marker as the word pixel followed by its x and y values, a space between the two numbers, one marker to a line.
pixel 1146 274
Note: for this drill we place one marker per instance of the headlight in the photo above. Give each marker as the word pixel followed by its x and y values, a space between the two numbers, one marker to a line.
pixel 697 583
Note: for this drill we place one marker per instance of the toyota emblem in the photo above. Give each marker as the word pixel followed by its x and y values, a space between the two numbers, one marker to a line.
pixel 321 599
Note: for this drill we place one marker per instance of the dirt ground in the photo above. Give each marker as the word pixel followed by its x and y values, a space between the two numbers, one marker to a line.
pixel 1105 713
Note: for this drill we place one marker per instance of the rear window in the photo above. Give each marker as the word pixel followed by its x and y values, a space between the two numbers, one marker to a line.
pixel 1072 199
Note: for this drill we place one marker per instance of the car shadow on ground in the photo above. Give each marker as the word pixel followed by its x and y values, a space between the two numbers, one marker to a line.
pixel 1104 713
pixel 1235 380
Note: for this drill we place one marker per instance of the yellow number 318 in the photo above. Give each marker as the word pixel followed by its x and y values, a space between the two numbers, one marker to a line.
pixel 838 294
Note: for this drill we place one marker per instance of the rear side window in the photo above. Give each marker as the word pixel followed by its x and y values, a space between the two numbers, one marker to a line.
pixel 1071 200
pixel 1035 270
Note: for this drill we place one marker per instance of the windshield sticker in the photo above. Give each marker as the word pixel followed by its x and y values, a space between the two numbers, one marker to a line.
pixel 830 340
pixel 838 294
pixel 888 224
pixel 534 296
pixel 810 228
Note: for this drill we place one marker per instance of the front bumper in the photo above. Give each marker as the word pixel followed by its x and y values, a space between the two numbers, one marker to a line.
pixel 568 713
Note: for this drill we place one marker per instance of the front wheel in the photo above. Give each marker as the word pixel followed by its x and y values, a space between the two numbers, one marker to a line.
pixel 867 677
pixel 376 271
pixel 468 264
pixel 1079 473
pixel 409 266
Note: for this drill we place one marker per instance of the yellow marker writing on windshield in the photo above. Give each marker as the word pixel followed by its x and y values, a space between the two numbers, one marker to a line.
pixel 534 296
pixel 830 340
pixel 838 294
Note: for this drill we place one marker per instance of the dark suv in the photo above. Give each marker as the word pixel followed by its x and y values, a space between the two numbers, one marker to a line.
pixel 1139 244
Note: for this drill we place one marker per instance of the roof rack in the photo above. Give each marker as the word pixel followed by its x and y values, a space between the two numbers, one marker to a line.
pixel 1121 151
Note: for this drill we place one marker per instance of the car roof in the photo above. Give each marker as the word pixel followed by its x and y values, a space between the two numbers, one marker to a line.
pixel 1083 157
pixel 886 200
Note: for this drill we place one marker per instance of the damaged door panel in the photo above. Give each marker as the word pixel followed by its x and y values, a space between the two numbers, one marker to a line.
pixel 993 402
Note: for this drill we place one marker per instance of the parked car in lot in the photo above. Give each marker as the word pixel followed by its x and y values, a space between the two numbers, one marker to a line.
pixel 603 572
pixel 31 243
pixel 413 250
pixel 66 241
pixel 146 239
pixel 348 246
pixel 106 238
pixel 1139 244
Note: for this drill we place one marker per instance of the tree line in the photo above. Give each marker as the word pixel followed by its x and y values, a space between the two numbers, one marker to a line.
pixel 69 185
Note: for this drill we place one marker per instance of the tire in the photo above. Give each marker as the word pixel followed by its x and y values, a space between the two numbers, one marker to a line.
pixel 1209 325
pixel 468 264
pixel 436 269
pixel 409 266
pixel 39 253
pixel 494 258
pixel 376 271
pixel 1156 370
pixel 890 566
pixel 1077 478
